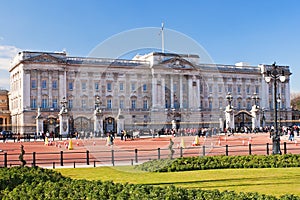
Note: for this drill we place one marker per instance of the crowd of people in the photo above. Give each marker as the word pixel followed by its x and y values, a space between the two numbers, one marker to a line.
pixel 290 131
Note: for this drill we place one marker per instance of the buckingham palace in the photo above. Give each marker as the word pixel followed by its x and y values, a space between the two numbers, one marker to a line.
pixel 148 92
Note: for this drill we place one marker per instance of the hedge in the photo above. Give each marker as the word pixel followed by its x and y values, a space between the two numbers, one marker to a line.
pixel 221 162
pixel 37 183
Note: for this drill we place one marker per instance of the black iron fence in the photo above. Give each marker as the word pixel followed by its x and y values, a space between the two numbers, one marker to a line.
pixel 114 157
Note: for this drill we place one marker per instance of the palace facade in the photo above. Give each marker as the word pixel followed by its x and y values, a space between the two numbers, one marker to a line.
pixel 152 91
pixel 5 123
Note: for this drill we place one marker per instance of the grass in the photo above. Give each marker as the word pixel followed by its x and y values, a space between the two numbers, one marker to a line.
pixel 274 181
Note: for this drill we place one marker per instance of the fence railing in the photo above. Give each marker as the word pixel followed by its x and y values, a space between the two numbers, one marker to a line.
pixel 114 157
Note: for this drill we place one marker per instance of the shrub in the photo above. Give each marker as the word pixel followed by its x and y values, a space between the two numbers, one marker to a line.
pixel 37 183
pixel 220 162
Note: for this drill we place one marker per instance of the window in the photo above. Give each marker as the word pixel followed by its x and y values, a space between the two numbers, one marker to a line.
pixel 248 89
pixel 54 103
pixel 44 103
pixel 145 104
pixel 132 86
pixel 83 103
pixel 144 87
pixel 133 104
pixel 121 103
pixel 121 86
pixel 83 86
pixel 229 88
pixel 220 88
pixel 33 84
pixel 257 90
pixel 70 103
pixel 220 103
pixel 239 105
pixel 33 103
pixel 108 104
pixel 96 86
pixel 54 84
pixel 239 89
pixel 175 87
pixel 44 84
pixel 108 85
pixel 248 105
pixel 70 85
pixel 210 88
pixel 210 105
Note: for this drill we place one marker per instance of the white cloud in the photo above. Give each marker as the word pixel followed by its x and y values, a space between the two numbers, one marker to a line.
pixel 7 53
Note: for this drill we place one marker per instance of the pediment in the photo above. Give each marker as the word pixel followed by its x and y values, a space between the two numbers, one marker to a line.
pixel 178 63
pixel 45 58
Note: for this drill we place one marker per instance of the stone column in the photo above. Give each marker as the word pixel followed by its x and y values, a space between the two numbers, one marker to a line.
pixel 221 124
pixel 190 92
pixel 64 119
pixel 287 95
pixel 229 116
pixel 172 91
pixel 26 90
pixel 39 123
pixel 39 91
pixel 255 117
pixel 120 123
pixel 180 91
pixel 163 93
pixel 61 85
pixel 198 104
pixel 50 89
pixel 154 92
pixel 98 122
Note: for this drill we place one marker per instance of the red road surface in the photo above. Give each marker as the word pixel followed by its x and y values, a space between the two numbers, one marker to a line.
pixel 124 152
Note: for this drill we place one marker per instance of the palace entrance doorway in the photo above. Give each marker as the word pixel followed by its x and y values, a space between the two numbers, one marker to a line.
pixel 243 119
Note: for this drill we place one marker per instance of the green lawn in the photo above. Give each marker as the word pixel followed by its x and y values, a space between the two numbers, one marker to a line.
pixel 274 181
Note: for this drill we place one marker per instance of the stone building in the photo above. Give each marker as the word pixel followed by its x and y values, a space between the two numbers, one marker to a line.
pixel 152 91
pixel 5 123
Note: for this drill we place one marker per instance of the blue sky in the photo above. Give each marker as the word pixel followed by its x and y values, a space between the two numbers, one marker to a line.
pixel 256 31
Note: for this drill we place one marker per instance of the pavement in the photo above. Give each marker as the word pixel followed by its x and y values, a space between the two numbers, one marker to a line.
pixel 139 149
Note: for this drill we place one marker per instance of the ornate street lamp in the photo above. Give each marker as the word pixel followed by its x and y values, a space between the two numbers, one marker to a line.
pixel 276 75
pixel 255 113
pixel 98 105
pixel 229 99
pixel 263 118
pixel 229 115
pixel 256 99
pixel 279 102
pixel 98 120
pixel 63 103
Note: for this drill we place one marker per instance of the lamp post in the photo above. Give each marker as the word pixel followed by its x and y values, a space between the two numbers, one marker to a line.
pixel 255 113
pixel 263 118
pixel 279 102
pixel 229 99
pixel 98 121
pixel 229 113
pixel 277 75
pixel 256 99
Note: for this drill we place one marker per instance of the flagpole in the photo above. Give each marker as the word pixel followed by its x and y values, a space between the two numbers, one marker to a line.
pixel 162 38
